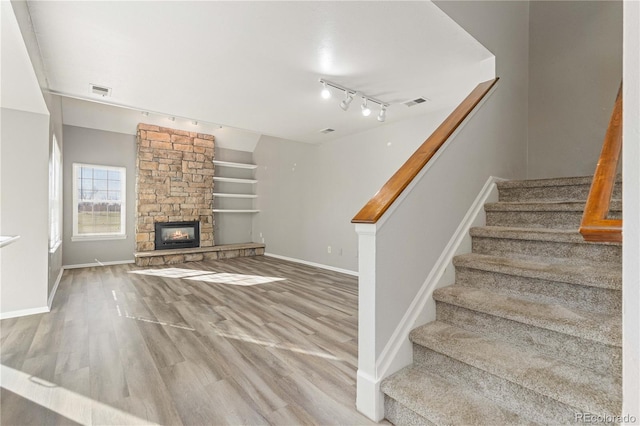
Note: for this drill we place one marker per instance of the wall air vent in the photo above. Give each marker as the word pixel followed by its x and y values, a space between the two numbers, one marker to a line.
pixel 416 101
pixel 103 91
pixel 327 130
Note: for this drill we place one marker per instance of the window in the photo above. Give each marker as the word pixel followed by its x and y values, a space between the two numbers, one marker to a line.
pixel 98 202
pixel 55 197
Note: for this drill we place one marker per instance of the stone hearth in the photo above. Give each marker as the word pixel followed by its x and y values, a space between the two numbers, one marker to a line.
pixel 170 257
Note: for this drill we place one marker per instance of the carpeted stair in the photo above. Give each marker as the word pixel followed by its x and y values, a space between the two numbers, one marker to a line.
pixel 530 333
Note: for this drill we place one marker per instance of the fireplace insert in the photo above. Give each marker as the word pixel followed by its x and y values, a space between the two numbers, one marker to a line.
pixel 173 235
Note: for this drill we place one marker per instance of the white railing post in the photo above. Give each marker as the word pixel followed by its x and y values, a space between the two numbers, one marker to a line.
pixel 369 399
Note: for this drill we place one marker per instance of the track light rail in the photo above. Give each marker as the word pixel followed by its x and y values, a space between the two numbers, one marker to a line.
pixel 354 93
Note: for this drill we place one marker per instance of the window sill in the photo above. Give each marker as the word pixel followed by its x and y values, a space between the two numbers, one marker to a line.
pixel 80 238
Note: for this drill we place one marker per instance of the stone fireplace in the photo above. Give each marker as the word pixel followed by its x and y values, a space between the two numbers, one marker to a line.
pixel 174 182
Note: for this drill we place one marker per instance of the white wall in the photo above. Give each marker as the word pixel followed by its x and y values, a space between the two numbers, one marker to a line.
pixel 103 148
pixel 24 201
pixel 308 194
pixel 53 105
pixel 631 212
pixel 575 69
pixel 284 179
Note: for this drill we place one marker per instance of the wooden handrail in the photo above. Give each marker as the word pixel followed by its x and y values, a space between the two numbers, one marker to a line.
pixel 391 190
pixel 595 226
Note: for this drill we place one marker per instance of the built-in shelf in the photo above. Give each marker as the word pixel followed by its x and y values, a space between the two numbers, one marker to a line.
pixel 222 194
pixel 234 165
pixel 5 240
pixel 234 180
pixel 234 211
pixel 244 203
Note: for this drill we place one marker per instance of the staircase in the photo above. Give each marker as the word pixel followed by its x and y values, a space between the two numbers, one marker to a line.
pixel 530 333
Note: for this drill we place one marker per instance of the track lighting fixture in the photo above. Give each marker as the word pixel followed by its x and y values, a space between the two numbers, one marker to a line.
pixel 366 111
pixel 383 113
pixel 326 94
pixel 348 98
pixel 349 94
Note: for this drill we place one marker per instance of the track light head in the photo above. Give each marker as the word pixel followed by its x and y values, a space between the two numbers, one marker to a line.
pixel 383 113
pixel 326 94
pixel 366 111
pixel 348 98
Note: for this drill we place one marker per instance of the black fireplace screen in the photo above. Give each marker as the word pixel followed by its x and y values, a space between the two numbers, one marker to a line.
pixel 172 235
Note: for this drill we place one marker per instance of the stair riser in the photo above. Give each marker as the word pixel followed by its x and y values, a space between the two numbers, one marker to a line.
pixel 588 298
pixel 538 219
pixel 509 395
pixel 398 414
pixel 552 193
pixel 581 352
pixel 573 253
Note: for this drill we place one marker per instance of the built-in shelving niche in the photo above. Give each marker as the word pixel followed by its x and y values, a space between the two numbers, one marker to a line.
pixel 234 194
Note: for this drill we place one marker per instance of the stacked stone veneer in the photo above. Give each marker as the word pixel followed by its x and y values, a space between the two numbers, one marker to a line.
pixel 174 182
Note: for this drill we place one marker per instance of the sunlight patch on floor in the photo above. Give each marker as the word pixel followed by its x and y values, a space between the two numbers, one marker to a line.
pixel 208 276
pixel 66 403
pixel 153 321
pixel 163 323
pixel 268 344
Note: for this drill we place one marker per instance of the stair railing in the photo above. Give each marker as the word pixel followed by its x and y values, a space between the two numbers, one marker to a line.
pixel 389 227
pixel 384 198
pixel 595 225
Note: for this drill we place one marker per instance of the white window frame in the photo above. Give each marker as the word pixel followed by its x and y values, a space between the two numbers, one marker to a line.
pixel 123 205
pixel 55 197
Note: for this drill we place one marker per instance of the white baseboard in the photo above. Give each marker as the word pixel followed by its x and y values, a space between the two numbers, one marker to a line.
pixel 54 289
pixel 369 399
pixel 23 312
pixel 98 263
pixel 317 265
pixel 398 351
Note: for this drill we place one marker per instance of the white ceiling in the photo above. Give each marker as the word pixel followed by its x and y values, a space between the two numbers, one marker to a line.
pixel 254 65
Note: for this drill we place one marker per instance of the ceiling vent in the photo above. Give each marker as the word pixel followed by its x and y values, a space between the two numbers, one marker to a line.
pixel 327 130
pixel 416 101
pixel 103 91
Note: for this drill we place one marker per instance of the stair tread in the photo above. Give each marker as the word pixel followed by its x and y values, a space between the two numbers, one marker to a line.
pixel 606 329
pixel 545 206
pixel 443 402
pixel 536 183
pixel 577 387
pixel 605 275
pixel 533 234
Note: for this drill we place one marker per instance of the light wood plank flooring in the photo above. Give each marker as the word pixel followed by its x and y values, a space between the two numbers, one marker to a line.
pixel 188 344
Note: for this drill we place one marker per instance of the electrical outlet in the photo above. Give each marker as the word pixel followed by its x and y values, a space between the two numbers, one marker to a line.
pixel 329 249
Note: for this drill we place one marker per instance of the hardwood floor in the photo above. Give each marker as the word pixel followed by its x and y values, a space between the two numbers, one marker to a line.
pixel 188 344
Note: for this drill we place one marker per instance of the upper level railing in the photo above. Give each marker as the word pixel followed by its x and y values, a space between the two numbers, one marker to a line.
pixel 385 197
pixel 595 225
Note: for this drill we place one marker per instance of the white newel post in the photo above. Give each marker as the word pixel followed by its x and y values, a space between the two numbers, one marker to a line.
pixel 369 399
